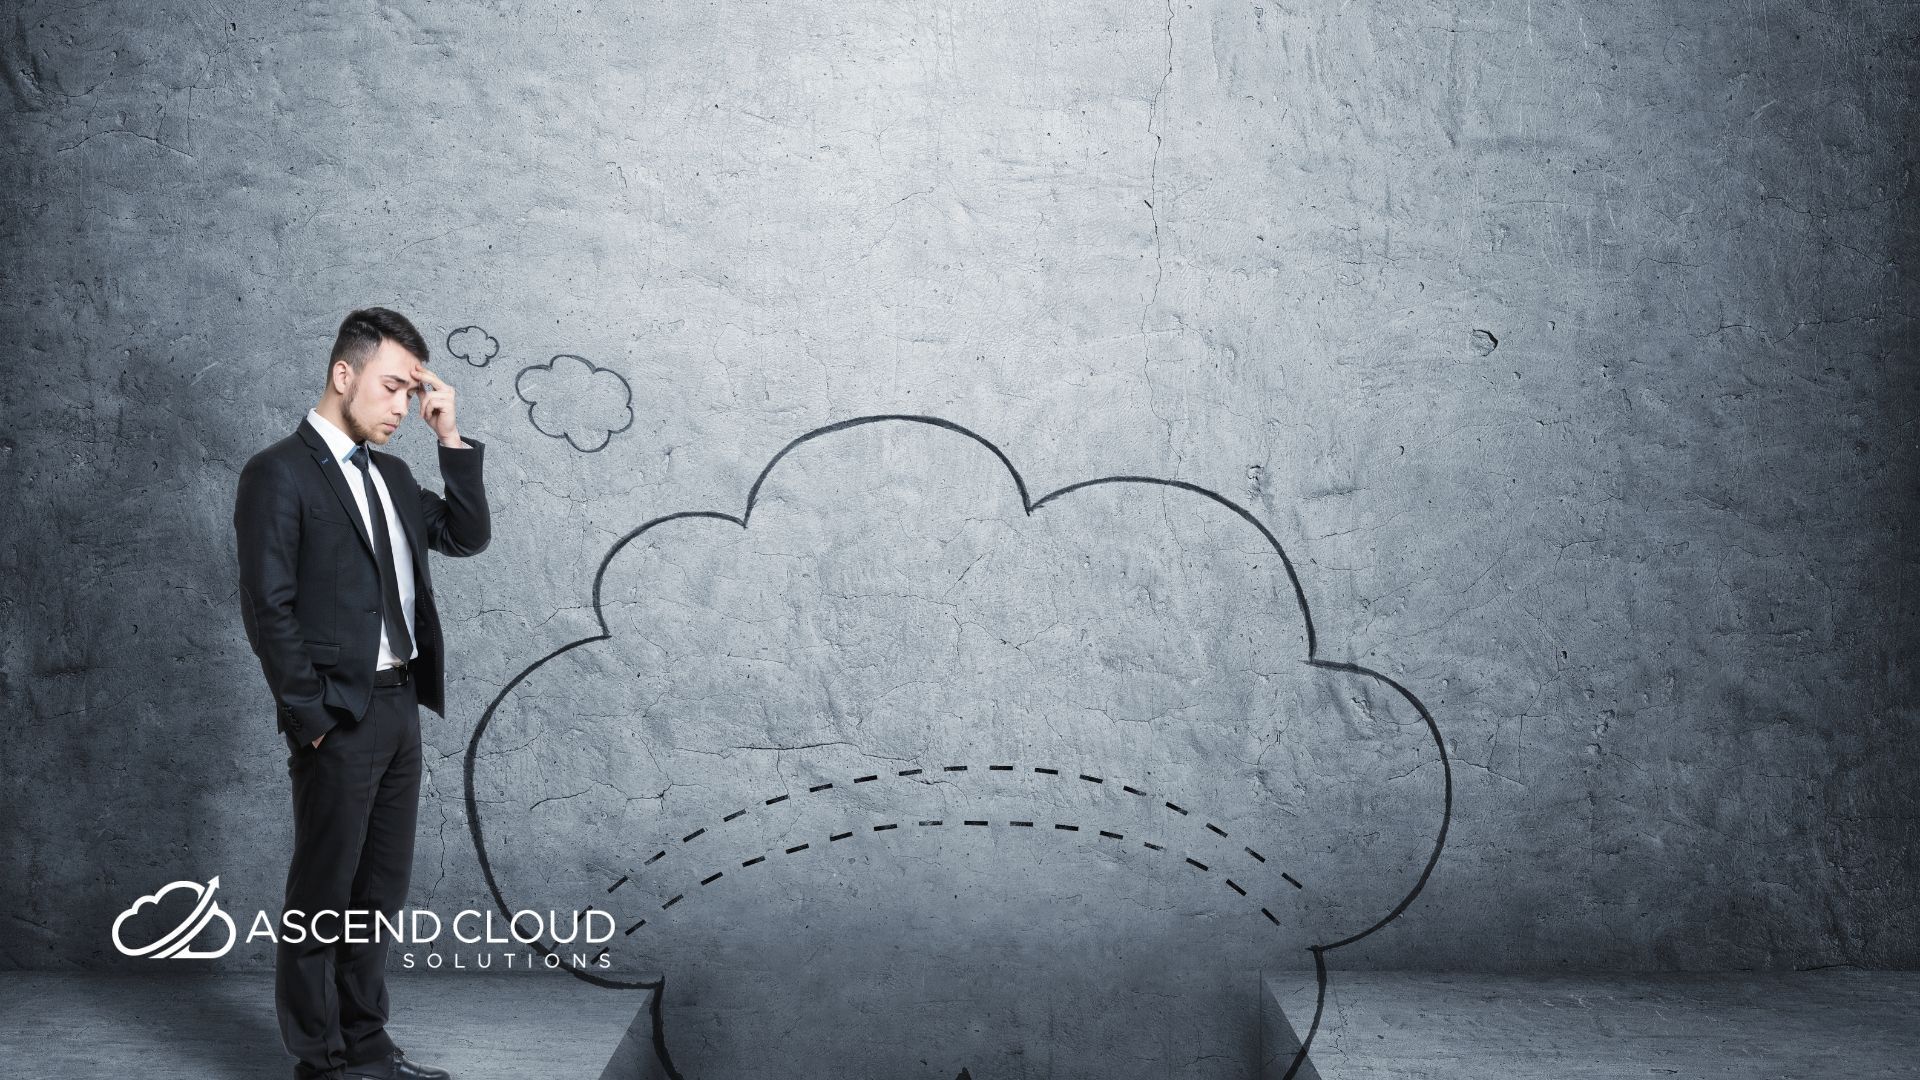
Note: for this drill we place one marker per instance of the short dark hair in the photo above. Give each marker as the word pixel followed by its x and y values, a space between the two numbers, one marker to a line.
pixel 362 331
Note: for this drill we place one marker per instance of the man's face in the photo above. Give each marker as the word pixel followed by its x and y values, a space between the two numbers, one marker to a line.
pixel 375 400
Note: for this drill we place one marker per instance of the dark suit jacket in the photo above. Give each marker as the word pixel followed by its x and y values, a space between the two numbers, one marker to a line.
pixel 309 585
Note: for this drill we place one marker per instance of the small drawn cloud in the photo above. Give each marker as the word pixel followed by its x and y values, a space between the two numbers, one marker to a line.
pixel 570 398
pixel 474 345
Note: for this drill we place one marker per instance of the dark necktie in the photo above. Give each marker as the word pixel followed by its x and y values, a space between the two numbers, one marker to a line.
pixel 393 613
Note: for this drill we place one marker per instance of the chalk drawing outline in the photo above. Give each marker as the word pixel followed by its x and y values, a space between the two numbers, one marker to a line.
pixel 657 985
pixel 493 345
pixel 626 388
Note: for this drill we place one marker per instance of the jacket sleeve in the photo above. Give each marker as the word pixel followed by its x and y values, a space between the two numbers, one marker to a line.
pixel 266 529
pixel 459 524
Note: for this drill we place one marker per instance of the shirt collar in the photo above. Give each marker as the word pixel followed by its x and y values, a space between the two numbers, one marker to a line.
pixel 337 441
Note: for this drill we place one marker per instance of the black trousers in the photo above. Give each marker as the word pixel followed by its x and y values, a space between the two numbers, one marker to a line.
pixel 356 799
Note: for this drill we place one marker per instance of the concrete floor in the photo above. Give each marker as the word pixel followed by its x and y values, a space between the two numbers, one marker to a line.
pixel 1402 1026
pixel 1851 1024
pixel 222 1027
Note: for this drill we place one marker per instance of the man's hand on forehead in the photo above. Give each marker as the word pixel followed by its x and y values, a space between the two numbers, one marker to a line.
pixel 436 404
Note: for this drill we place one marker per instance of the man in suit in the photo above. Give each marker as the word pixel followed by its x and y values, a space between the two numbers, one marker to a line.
pixel 338 601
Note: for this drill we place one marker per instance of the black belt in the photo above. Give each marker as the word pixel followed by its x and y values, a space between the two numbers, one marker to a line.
pixel 390 676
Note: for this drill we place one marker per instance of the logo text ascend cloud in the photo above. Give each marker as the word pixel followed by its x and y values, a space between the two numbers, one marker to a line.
pixel 354 925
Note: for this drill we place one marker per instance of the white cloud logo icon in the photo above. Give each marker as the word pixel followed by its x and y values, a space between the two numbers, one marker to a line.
pixel 174 943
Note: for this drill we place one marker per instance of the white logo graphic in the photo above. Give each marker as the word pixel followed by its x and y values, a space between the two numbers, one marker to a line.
pixel 173 944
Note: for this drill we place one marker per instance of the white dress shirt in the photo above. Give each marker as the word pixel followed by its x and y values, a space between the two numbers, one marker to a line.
pixel 341 445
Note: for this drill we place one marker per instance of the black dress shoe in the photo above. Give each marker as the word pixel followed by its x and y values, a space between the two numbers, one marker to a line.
pixel 395 1066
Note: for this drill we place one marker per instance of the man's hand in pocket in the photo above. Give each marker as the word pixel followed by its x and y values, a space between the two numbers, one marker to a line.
pixel 316 742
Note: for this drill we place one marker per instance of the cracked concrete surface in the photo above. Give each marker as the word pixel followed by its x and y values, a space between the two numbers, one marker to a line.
pixel 1565 345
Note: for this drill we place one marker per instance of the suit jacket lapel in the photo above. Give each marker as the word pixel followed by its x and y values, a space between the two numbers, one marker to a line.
pixel 330 468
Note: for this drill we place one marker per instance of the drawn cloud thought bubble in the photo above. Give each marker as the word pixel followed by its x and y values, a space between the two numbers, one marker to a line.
pixel 473 344
pixel 901 735
pixel 571 398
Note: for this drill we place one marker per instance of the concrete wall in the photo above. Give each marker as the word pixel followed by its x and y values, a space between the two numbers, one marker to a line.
pixel 1564 348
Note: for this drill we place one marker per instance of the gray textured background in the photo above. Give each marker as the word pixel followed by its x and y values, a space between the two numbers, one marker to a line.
pixel 1646 557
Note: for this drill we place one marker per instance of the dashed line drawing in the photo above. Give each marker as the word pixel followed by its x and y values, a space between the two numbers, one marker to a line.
pixel 917 771
pixel 708 879
pixel 1031 505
